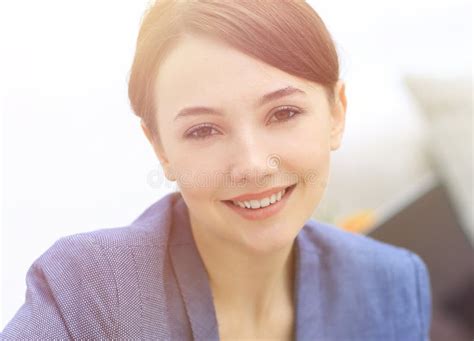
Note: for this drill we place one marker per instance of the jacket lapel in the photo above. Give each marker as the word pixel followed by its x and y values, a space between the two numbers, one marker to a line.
pixel 309 319
pixel 191 276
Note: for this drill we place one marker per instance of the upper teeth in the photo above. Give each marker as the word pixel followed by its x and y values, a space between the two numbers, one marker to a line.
pixel 262 202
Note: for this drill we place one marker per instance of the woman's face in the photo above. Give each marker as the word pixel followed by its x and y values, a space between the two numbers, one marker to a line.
pixel 238 141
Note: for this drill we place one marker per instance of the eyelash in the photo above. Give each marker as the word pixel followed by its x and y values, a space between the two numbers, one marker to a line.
pixel 190 135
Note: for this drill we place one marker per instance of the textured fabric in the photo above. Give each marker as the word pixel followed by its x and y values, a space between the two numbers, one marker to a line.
pixel 147 281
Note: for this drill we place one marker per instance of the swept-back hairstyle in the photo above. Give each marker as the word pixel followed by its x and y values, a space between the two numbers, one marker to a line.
pixel 287 34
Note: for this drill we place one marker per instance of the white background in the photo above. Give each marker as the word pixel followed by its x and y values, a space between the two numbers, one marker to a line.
pixel 75 158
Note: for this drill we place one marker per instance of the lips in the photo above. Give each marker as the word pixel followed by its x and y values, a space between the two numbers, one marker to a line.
pixel 262 212
pixel 258 196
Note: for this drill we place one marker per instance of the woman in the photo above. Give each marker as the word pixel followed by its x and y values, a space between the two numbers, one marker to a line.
pixel 242 104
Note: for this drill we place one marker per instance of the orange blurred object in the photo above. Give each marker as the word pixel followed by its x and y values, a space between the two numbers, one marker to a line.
pixel 359 222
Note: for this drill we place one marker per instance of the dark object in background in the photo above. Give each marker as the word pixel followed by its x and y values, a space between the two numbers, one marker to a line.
pixel 430 227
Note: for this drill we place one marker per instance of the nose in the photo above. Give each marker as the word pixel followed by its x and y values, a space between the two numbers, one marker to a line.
pixel 252 162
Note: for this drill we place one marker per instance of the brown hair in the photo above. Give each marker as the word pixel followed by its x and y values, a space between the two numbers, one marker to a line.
pixel 286 34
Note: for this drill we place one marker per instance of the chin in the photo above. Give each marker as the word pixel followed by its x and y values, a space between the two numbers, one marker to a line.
pixel 267 239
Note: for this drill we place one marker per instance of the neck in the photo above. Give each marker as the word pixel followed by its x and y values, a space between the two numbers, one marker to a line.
pixel 246 284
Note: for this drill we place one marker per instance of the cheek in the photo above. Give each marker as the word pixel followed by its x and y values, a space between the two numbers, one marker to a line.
pixel 197 175
pixel 309 149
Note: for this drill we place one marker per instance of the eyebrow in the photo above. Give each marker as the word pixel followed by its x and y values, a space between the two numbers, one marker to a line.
pixel 271 96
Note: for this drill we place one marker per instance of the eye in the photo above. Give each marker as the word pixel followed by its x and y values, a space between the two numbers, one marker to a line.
pixel 202 132
pixel 286 114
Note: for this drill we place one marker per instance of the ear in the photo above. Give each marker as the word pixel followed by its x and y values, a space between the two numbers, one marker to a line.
pixel 159 151
pixel 338 115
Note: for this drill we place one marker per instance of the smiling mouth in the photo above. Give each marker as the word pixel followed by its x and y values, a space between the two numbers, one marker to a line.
pixel 262 203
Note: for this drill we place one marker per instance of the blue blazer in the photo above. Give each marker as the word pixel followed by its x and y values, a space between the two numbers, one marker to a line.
pixel 147 281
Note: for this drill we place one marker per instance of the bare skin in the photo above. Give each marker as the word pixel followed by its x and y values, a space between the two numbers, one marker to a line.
pixel 274 321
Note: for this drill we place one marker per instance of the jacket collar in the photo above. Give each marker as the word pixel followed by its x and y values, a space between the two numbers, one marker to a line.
pixel 194 285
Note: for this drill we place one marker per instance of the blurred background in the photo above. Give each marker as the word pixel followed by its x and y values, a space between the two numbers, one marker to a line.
pixel 75 158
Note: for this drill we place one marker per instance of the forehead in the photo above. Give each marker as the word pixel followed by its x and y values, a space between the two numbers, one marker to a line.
pixel 204 71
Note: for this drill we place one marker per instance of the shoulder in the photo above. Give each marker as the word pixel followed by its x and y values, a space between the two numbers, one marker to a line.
pixel 391 278
pixel 94 253
pixel 360 252
pixel 338 245
pixel 82 283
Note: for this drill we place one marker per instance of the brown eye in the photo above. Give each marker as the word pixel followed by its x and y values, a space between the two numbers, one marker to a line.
pixel 285 114
pixel 202 132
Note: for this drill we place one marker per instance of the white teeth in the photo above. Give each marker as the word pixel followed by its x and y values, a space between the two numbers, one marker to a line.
pixel 278 195
pixel 265 202
pixel 255 204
